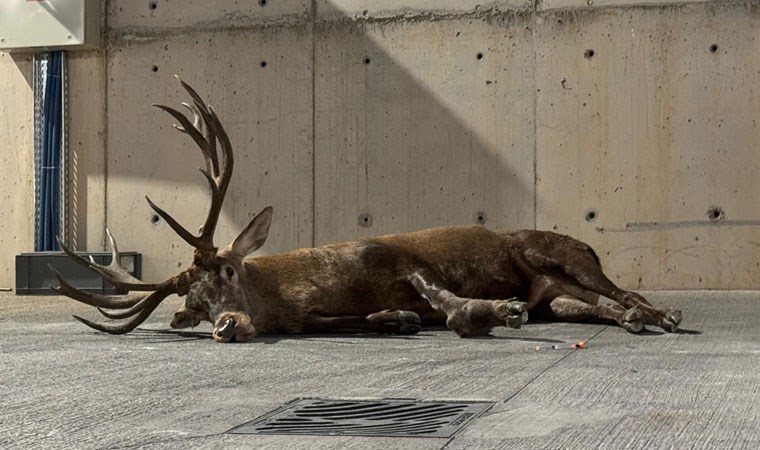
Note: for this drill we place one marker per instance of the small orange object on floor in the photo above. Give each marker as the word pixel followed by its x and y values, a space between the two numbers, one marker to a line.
pixel 580 344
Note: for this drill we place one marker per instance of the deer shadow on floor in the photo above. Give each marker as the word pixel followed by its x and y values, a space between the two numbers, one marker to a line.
pixel 168 335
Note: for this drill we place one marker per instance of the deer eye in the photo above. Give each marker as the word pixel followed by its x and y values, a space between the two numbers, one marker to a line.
pixel 229 271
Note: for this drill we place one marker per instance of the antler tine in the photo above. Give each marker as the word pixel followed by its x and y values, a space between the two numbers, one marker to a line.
pixel 144 301
pixel 197 124
pixel 196 97
pixel 100 301
pixel 179 229
pixel 115 315
pixel 114 273
pixel 217 177
pixel 200 107
pixel 222 180
pixel 149 304
pixel 114 249
pixel 142 305
pixel 185 126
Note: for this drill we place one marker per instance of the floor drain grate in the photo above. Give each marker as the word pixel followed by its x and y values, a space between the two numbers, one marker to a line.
pixel 387 417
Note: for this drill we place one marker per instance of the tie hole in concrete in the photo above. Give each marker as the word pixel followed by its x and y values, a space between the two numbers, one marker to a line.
pixel 716 214
pixel 365 220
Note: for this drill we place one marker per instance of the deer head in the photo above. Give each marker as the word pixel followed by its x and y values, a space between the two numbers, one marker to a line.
pixel 217 284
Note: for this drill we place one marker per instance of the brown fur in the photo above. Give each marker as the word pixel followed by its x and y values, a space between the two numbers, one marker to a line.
pixel 308 290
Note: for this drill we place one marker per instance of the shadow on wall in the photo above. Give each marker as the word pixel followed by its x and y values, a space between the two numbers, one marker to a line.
pixel 24 61
pixel 422 123
pixel 349 127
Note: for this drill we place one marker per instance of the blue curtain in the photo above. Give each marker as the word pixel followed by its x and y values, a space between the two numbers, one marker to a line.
pixel 48 207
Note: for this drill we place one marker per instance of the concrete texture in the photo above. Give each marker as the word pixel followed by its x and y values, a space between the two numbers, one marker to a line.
pixel 413 146
pixel 87 150
pixel 16 161
pixel 127 18
pixel 619 132
pixel 368 9
pixel 546 5
pixel 64 386
pixel 654 132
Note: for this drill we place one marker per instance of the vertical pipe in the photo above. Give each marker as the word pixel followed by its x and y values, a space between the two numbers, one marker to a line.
pixel 55 153
pixel 63 184
pixel 50 178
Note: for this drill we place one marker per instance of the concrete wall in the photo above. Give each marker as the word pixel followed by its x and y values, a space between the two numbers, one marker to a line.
pixel 629 127
pixel 16 162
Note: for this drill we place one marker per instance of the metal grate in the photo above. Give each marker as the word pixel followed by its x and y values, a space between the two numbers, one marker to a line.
pixel 387 417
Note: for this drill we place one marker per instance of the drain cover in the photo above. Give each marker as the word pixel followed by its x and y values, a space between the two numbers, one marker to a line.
pixel 387 417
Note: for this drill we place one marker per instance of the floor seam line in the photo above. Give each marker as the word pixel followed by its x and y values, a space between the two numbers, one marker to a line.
pixel 552 365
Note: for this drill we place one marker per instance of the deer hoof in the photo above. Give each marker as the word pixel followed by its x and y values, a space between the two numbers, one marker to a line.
pixel 409 322
pixel 516 321
pixel 513 313
pixel 518 308
pixel 632 320
pixel 234 327
pixel 227 329
pixel 671 320
pixel 396 322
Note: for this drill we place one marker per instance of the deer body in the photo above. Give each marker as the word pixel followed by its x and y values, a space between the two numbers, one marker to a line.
pixel 365 276
pixel 461 276
pixel 470 278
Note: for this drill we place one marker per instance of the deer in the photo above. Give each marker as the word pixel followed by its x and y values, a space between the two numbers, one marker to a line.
pixel 469 278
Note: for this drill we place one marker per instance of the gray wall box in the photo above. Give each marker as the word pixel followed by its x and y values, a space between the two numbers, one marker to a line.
pixel 49 24
pixel 34 277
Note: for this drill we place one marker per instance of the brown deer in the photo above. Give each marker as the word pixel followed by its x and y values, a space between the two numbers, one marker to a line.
pixel 466 277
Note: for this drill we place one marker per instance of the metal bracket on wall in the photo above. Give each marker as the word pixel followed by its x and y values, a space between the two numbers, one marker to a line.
pixel 39 71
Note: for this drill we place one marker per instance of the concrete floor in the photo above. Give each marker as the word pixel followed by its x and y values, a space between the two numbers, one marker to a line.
pixel 65 386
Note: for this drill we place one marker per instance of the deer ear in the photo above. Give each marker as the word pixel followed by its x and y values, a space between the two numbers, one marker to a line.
pixel 254 234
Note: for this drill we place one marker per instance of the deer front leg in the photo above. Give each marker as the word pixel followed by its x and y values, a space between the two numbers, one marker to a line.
pixel 387 322
pixel 468 316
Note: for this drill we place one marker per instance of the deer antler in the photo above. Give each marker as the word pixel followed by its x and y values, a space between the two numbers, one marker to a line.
pixel 218 178
pixel 139 307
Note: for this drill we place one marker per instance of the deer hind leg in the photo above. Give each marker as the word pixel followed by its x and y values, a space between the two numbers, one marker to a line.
pixel 592 278
pixel 567 308
pixel 556 299
pixel 468 316
pixel 387 322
